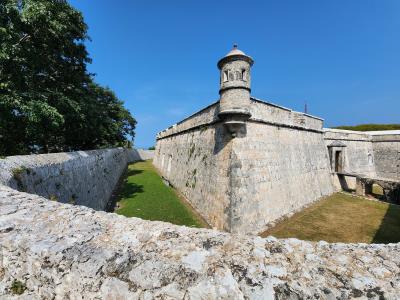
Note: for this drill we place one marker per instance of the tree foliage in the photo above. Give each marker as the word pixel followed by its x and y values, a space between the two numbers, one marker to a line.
pixel 49 101
pixel 371 127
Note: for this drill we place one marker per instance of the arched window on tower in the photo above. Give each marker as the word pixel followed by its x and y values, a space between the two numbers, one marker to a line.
pixel 225 76
pixel 244 75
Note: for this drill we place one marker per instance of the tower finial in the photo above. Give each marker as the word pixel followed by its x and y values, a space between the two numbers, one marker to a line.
pixel 235 46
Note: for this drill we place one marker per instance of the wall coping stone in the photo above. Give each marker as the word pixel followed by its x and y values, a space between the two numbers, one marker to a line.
pixel 65 251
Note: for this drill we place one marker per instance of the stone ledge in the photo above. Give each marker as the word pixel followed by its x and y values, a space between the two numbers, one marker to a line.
pixel 63 251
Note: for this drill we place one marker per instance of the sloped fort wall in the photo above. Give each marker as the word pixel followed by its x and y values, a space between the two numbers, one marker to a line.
pixel 244 184
pixel 194 157
pixel 85 177
pixel 52 250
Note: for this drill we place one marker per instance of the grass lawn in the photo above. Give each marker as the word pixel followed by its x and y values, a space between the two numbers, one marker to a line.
pixel 343 218
pixel 143 194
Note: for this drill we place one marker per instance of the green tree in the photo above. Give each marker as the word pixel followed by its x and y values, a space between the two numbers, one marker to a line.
pixel 370 127
pixel 48 100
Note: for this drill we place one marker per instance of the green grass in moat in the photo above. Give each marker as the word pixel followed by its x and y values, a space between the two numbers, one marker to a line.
pixel 144 195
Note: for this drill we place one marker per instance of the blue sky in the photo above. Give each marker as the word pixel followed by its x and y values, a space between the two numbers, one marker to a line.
pixel 342 57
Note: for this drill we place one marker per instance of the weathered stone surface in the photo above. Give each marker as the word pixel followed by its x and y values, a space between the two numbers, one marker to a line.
pixel 197 164
pixel 201 118
pixel 62 251
pixel 84 177
pixel 275 172
pixel 386 147
pixel 142 154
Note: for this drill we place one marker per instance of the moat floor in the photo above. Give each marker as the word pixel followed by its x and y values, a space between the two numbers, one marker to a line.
pixel 343 218
pixel 144 195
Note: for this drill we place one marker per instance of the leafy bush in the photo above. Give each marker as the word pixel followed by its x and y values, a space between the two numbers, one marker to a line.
pixel 371 127
pixel 17 287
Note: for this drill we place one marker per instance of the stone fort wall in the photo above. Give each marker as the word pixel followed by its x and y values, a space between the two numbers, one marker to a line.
pixel 280 165
pixel 358 150
pixel 193 156
pixel 277 171
pixel 62 251
pixel 373 154
pixel 386 147
pixel 85 177
pixel 247 183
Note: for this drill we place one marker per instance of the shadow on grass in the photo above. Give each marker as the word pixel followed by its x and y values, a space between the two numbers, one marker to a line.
pixel 131 172
pixel 124 189
pixel 130 189
pixel 343 184
pixel 389 231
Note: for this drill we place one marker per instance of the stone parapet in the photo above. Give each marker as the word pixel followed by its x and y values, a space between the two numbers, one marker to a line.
pixel 83 177
pixel 59 251
pixel 283 117
pixel 204 117
pixel 261 111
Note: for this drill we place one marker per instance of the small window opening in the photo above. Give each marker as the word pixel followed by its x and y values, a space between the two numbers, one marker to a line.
pixel 370 159
pixel 225 76
pixel 338 162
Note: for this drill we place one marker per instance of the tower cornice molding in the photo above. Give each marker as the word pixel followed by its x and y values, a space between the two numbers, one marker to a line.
pixel 235 57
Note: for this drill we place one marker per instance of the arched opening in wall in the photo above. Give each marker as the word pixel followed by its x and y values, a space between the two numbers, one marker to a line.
pixel 336 152
pixel 225 76
pixel 244 75
pixel 370 159
pixel 377 192
pixel 338 161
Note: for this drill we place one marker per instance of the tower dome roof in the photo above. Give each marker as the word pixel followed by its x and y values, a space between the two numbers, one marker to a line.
pixel 235 54
pixel 235 51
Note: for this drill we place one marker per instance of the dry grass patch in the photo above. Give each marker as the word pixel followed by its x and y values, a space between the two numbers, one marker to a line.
pixel 343 218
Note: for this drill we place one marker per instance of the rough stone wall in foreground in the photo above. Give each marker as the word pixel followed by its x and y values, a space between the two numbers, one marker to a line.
pixel 85 177
pixel 72 252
